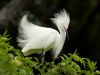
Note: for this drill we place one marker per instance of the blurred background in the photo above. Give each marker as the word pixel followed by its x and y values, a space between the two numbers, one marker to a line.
pixel 84 28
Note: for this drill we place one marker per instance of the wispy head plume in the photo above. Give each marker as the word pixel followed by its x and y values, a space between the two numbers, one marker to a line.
pixel 61 18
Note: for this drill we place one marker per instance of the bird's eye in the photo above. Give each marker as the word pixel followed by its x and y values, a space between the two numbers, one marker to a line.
pixel 65 29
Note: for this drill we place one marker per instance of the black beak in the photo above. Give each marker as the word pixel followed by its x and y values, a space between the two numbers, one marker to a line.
pixel 67 34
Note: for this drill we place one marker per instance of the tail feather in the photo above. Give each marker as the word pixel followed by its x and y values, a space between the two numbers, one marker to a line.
pixel 24 21
pixel 23 31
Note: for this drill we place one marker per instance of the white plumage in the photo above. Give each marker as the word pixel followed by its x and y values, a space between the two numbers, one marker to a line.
pixel 36 37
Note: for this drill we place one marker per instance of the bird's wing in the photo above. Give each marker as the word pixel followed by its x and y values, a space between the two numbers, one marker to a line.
pixel 32 32
pixel 42 41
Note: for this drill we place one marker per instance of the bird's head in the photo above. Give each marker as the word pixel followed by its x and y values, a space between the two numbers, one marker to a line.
pixel 61 19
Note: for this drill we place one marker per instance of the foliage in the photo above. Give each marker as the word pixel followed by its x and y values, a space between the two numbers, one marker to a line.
pixel 12 62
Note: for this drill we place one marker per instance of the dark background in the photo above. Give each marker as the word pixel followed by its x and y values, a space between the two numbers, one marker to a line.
pixel 84 28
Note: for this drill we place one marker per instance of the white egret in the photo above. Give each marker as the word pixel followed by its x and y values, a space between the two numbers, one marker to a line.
pixel 33 38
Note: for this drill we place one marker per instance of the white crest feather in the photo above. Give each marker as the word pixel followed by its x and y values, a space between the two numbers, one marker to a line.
pixel 61 18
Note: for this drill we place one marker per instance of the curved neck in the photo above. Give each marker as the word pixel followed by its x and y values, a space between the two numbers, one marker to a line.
pixel 63 35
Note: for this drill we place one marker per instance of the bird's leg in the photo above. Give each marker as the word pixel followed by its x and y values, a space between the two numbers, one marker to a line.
pixel 42 56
